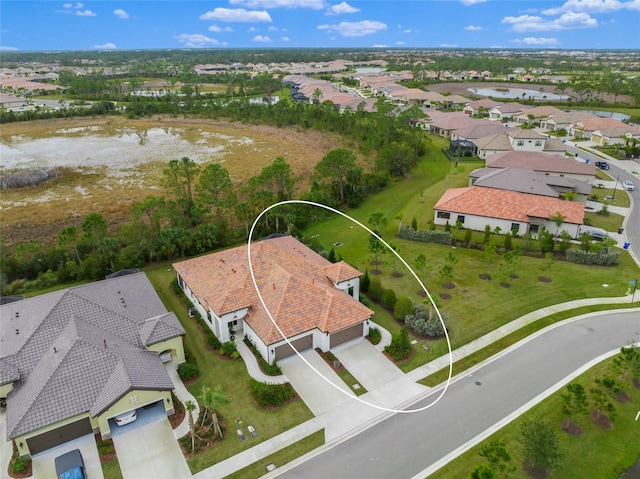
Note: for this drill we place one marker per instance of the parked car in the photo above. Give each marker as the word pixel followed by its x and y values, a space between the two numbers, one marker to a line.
pixel 597 235
pixel 603 165
pixel 628 185
pixel 70 465
pixel 126 418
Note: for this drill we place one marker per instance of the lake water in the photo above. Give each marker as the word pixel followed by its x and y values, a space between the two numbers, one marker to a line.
pixel 608 114
pixel 517 93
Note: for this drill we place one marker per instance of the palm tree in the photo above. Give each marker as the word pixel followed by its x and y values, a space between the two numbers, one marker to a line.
pixel 190 406
pixel 211 400
pixel 558 219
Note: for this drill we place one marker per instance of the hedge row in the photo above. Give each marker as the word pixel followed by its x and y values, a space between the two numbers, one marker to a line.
pixel 426 236
pixel 599 258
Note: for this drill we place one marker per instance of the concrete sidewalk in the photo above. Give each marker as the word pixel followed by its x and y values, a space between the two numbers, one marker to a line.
pixel 253 368
pixel 183 395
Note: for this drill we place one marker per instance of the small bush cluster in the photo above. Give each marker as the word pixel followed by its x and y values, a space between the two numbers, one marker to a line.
pixel 188 371
pixel 375 335
pixel 400 346
pixel 269 369
pixel 229 349
pixel 271 395
pixel 584 257
pixel 426 236
pixel 19 464
pixel 420 322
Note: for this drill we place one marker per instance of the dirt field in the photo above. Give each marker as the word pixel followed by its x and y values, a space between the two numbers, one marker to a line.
pixel 111 186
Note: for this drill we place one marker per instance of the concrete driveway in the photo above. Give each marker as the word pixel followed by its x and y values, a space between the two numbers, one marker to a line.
pixel 44 463
pixel 318 395
pixel 147 447
pixel 369 366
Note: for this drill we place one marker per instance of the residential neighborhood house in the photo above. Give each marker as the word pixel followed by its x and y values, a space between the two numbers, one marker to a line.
pixel 313 302
pixel 72 360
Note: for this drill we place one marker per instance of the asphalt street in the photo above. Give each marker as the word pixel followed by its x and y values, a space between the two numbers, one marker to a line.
pixel 405 445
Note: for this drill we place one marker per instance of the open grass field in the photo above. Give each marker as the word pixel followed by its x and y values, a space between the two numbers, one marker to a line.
pixel 231 376
pixel 111 162
pixel 604 454
pixel 476 306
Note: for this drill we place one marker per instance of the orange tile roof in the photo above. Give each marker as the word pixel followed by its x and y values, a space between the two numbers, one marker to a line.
pixel 509 205
pixel 296 284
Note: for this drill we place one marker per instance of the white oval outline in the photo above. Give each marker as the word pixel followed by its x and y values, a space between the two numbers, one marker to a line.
pixel 350 393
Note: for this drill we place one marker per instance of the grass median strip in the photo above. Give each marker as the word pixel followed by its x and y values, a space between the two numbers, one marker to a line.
pixel 501 344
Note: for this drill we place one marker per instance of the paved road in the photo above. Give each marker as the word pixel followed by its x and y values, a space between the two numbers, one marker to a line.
pixel 404 445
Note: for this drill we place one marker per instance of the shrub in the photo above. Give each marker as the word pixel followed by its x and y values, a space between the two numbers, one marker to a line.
pixel 389 299
pixel 400 346
pixel 366 281
pixel 375 335
pixel 467 237
pixel 364 300
pixel 213 341
pixel 403 307
pixel 19 464
pixel 375 290
pixel 188 371
pixel 271 395
pixel 228 348
pixel 420 322
pixel 426 236
pixel 414 223
pixel 585 257
pixel 508 243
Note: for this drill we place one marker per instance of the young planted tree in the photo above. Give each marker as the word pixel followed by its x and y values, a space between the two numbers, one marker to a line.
pixel 488 256
pixel 574 403
pixel 377 220
pixel 422 269
pixel 190 406
pixel 546 266
pixel 482 471
pixel 602 405
pixel 627 363
pixel 446 272
pixel 540 445
pixel 497 456
pixel 376 250
pixel 211 401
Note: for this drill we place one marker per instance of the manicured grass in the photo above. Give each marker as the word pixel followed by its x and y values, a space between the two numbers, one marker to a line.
pixel 611 222
pixel 596 453
pixel 349 379
pixel 476 306
pixel 502 344
pixel 111 469
pixel 231 376
pixel 621 197
pixel 282 457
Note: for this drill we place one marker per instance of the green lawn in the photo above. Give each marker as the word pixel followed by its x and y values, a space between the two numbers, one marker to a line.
pixel 621 197
pixel 111 469
pixel 476 306
pixel 604 454
pixel 232 376
pixel 611 222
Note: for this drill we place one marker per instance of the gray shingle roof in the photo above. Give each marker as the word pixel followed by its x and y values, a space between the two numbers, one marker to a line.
pixel 79 350
pixel 528 181
pixel 8 373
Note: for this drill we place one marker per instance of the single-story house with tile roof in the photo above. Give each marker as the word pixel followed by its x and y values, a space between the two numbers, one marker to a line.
pixel 515 139
pixel 584 128
pixel 537 114
pixel 73 359
pixel 615 136
pixel 505 111
pixel 447 123
pixel 545 164
pixel 475 207
pixel 562 121
pixel 313 302
pixel 476 107
pixel 529 181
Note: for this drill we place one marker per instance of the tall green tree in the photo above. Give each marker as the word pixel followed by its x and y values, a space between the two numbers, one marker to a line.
pixel 179 178
pixel 336 167
pixel 94 228
pixel 540 444
pixel 215 188
pixel 68 237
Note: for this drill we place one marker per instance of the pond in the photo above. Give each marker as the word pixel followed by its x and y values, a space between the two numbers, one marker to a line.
pixel 517 93
pixel 608 114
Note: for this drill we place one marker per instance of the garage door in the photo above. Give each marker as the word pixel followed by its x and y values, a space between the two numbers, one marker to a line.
pixel 346 335
pixel 300 344
pixel 58 436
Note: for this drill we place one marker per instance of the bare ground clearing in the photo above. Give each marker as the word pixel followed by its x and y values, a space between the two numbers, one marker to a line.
pixel 109 186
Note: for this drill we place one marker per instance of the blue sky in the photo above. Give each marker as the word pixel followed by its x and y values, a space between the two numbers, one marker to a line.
pixel 151 24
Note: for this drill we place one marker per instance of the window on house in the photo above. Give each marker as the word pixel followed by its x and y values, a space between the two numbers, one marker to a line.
pixel 444 215
pixel 460 219
pixel 533 229
pixel 520 143
pixel 515 227
pixel 538 143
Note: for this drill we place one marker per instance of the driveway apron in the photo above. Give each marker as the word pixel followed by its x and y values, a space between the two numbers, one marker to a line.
pixel 368 365
pixel 318 395
pixel 44 463
pixel 149 451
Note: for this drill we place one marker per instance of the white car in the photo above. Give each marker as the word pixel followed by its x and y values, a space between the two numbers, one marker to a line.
pixel 628 185
pixel 126 418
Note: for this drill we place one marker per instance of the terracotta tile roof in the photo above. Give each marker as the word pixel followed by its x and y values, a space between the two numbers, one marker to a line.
pixel 531 160
pixel 509 205
pixel 597 123
pixel 296 284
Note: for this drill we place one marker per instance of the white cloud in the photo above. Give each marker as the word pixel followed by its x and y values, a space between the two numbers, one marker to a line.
pixel 253 29
pixel 121 13
pixel 196 40
pixel 341 9
pixel 74 6
pixel 313 4
pixel 537 41
pixel 408 30
pixel 272 29
pixel 4 48
pixel 106 46
pixel 355 29
pixel 471 2
pixel 218 29
pixel 594 6
pixel 379 45
pixel 400 43
pixel 285 39
pixel 85 13
pixel 261 39
pixel 449 45
pixel 239 15
pixel 567 21
pixel 76 9
pixel 472 28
